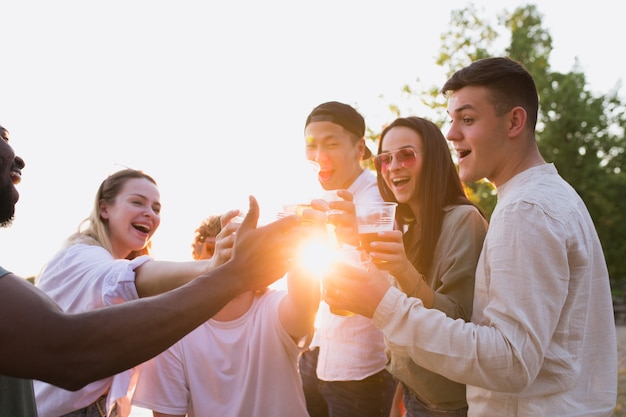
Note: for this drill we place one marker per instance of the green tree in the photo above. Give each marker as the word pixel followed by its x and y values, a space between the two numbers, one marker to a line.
pixel 580 132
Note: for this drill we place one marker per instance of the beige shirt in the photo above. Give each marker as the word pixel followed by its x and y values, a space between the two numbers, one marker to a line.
pixel 542 338
pixel 452 278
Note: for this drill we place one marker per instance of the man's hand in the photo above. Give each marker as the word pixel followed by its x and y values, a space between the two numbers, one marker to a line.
pixel 341 214
pixel 264 254
pixel 347 287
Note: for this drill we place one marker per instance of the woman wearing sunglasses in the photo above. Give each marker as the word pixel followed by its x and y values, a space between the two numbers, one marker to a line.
pixel 434 253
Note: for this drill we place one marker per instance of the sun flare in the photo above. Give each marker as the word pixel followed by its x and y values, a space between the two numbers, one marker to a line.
pixel 316 254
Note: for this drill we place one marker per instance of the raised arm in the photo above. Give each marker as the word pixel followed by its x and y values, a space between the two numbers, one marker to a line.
pixel 39 341
pixel 156 277
pixel 299 307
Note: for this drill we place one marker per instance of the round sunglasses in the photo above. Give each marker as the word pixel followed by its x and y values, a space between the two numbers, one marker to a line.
pixel 405 157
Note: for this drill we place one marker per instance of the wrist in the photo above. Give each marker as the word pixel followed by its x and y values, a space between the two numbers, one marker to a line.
pixel 418 286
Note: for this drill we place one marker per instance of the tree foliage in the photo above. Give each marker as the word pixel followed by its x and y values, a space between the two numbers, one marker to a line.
pixel 582 133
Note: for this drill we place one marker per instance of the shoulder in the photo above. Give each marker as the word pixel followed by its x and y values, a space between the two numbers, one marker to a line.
pixel 365 188
pixel 540 191
pixel 3 272
pixel 84 252
pixel 463 212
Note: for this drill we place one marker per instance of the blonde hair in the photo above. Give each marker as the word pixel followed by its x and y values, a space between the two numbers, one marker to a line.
pixel 94 230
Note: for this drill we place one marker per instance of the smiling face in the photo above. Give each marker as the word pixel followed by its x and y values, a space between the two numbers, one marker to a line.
pixel 403 178
pixel 10 175
pixel 479 136
pixel 133 216
pixel 337 151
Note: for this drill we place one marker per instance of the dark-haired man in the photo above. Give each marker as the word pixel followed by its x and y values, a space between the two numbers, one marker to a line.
pixel 39 341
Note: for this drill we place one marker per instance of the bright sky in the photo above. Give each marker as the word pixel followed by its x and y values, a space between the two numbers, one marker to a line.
pixel 210 98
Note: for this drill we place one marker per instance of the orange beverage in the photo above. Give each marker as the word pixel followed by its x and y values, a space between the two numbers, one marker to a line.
pixel 366 240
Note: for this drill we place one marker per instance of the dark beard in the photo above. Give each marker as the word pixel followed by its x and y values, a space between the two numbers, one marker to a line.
pixel 7 206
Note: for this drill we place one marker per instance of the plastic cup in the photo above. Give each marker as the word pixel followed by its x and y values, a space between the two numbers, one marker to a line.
pixel 373 218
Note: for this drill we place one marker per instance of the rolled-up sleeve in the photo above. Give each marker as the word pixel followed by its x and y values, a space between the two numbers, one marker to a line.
pixel 83 277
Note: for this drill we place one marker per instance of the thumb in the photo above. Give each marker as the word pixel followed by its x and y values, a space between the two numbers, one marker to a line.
pixel 252 216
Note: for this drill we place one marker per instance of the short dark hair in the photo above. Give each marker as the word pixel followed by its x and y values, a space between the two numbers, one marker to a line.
pixel 343 115
pixel 509 83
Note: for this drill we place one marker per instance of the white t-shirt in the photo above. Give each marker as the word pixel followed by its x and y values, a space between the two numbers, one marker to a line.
pixel 82 278
pixel 245 367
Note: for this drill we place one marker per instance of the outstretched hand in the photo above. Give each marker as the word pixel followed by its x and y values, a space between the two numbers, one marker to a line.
pixel 264 254
pixel 225 239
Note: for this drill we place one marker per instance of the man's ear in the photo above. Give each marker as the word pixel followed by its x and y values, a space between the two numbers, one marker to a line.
pixel 362 147
pixel 518 117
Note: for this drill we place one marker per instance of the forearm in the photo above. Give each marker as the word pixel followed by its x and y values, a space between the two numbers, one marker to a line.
pixel 299 307
pixel 413 284
pixel 41 342
pixel 465 352
pixel 157 277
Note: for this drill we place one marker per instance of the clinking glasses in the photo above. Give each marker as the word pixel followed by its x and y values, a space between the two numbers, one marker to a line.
pixel 405 157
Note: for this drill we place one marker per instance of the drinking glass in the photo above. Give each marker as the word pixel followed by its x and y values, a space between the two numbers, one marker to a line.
pixel 373 218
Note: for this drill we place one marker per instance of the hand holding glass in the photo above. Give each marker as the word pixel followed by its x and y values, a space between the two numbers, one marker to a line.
pixel 373 218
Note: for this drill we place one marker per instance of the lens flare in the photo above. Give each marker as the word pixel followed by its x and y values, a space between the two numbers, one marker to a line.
pixel 316 254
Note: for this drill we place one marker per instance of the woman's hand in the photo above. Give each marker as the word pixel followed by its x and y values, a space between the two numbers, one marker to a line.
pixel 389 254
pixel 225 239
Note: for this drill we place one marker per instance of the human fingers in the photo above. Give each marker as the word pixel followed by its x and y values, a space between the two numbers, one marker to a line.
pixel 354 289
pixel 387 251
pixel 319 204
pixel 252 216
pixel 314 217
pixel 345 194
pixel 266 252
pixel 346 206
pixel 340 286
pixel 228 217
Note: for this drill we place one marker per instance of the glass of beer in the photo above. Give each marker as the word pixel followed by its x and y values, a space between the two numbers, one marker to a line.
pixel 373 218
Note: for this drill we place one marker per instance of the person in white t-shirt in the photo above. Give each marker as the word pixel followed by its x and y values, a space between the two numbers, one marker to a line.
pixel 243 361
pixel 107 262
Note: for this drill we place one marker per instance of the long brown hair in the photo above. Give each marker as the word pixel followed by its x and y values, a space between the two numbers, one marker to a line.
pixel 439 186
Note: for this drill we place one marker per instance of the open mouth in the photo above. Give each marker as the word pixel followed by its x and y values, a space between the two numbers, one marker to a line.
pixel 16 177
pixel 324 175
pixel 399 181
pixel 462 153
pixel 142 227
